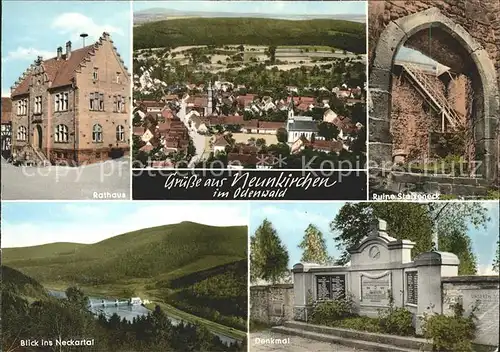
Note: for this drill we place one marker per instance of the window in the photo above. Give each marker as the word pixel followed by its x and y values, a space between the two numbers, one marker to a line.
pixel 62 101
pixel 22 133
pixel 38 105
pixel 120 133
pixel 96 101
pixel 22 107
pixel 118 80
pixel 95 74
pixel 61 134
pixel 119 103
pixel 97 133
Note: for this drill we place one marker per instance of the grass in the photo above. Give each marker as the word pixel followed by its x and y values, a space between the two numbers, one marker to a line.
pixel 257 326
pixel 142 263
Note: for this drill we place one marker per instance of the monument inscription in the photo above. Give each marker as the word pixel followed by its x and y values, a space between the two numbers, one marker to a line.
pixel 375 289
pixel 487 303
pixel 330 287
pixel 412 287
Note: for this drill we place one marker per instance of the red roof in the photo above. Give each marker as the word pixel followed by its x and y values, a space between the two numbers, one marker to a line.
pixel 271 125
pixel 60 72
pixel 250 123
pixel 198 101
pixel 331 146
pixel 6 110
pixel 138 131
pixel 167 114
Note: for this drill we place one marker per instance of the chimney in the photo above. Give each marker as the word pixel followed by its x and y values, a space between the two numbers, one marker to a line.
pixel 68 49
pixel 59 53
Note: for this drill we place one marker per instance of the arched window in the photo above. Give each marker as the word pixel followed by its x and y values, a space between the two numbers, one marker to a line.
pixel 22 133
pixel 97 133
pixel 61 134
pixel 120 133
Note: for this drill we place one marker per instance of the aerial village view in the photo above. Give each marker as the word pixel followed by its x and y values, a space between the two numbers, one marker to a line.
pixel 242 86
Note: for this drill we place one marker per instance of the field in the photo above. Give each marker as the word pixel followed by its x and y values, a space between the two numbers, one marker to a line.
pixel 170 264
pixel 344 35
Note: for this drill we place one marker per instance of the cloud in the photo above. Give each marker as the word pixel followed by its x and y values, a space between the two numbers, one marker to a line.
pixel 22 53
pixel 72 24
pixel 86 223
pixel 486 270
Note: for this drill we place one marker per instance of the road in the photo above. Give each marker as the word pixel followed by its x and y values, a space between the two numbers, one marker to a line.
pixel 108 180
pixel 198 141
pixel 260 342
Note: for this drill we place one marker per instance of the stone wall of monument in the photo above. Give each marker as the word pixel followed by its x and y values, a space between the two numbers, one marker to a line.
pixel 481 292
pixel 271 304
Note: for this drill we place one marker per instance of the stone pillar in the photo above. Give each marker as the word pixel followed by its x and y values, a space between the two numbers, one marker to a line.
pixel 303 285
pixel 432 266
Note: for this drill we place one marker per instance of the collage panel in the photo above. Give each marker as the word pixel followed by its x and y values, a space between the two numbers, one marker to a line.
pixel 139 277
pixel 433 85
pixel 251 87
pixel 66 98
pixel 374 276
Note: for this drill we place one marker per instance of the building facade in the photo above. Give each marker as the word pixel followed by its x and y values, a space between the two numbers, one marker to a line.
pixel 6 133
pixel 73 108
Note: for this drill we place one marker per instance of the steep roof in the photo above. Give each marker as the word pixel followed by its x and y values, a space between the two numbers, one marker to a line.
pixel 62 71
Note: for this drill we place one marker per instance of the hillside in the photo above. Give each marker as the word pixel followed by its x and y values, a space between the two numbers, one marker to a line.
pixel 18 284
pixel 347 35
pixel 178 249
pixel 159 263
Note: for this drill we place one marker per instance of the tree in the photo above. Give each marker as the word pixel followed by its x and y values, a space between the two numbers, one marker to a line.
pixel 328 130
pixel 314 246
pixel 268 256
pixel 416 222
pixel 77 296
pixel 496 259
pixel 282 135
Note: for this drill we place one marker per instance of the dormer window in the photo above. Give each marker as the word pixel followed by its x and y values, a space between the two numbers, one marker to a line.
pixel 95 74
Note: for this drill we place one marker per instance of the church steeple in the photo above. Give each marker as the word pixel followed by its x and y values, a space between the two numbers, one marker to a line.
pixel 290 109
pixel 210 99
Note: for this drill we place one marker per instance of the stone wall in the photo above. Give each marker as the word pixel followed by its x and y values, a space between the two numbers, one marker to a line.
pixel 271 304
pixel 475 291
pixel 463 35
pixel 479 18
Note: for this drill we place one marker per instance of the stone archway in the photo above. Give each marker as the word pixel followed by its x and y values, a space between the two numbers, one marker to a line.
pixel 395 34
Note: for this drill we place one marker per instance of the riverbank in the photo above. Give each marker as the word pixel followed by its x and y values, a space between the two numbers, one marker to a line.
pixel 194 319
pixel 110 294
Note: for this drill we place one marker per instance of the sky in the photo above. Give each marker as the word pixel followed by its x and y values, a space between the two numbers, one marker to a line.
pixel 291 219
pixel 33 28
pixel 272 7
pixel 34 223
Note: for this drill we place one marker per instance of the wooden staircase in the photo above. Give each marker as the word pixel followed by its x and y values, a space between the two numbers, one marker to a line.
pixel 435 97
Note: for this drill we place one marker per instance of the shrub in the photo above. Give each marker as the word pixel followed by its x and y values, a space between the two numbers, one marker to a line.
pixel 330 312
pixel 450 333
pixel 397 321
pixel 361 323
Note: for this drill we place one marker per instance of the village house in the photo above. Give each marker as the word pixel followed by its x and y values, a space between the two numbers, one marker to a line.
pixel 74 107
pixel 270 127
pixel 6 127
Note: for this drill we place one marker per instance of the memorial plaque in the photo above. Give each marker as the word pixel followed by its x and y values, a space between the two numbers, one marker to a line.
pixel 412 287
pixel 375 290
pixel 487 314
pixel 330 287
pixel 277 309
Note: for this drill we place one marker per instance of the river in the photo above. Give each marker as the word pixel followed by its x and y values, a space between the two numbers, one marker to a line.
pixel 124 310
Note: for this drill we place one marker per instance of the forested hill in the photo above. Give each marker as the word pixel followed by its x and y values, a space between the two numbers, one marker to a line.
pixel 341 34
